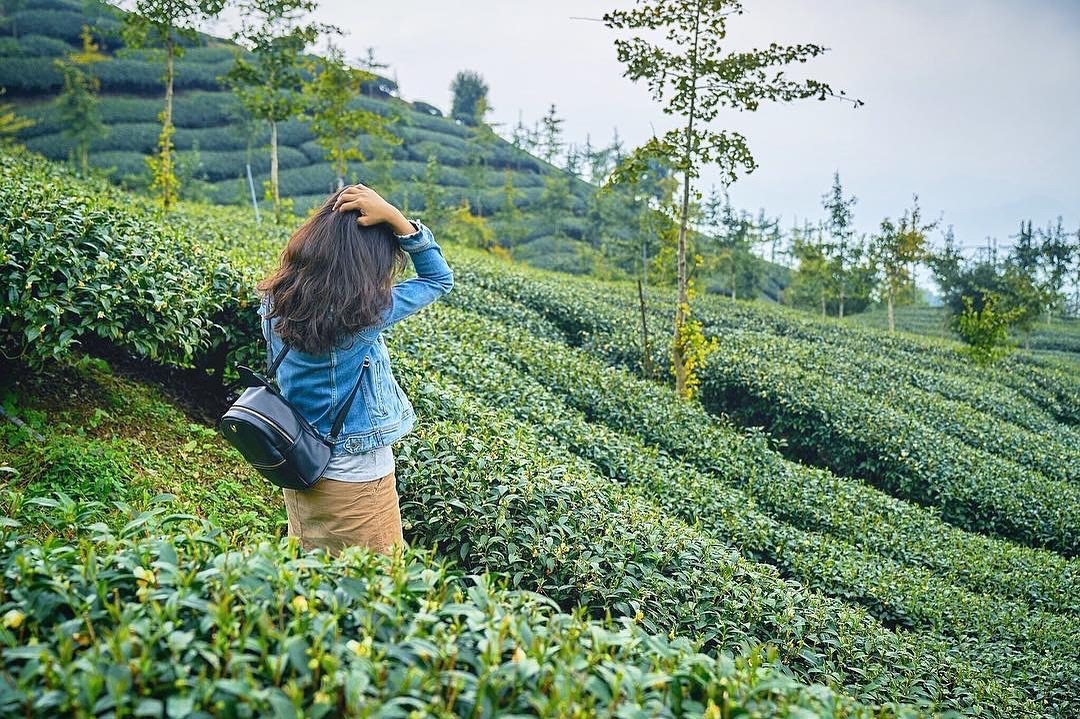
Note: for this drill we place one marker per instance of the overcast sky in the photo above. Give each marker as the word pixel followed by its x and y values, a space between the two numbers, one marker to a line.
pixel 973 104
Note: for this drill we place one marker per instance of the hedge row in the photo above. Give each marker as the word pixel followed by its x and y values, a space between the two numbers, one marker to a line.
pixel 63 24
pixel 858 435
pixel 1009 636
pixel 172 620
pixel 617 552
pixel 1048 447
pixel 1057 393
pixel 80 260
pixel 851 434
pixel 37 76
pixel 1059 334
pixel 809 499
pixel 208 113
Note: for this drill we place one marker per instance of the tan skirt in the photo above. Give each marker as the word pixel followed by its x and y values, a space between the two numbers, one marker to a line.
pixel 335 514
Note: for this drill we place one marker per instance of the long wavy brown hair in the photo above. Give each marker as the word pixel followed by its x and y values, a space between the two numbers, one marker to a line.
pixel 334 279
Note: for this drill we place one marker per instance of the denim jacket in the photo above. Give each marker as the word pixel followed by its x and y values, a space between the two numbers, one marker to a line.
pixel 317 385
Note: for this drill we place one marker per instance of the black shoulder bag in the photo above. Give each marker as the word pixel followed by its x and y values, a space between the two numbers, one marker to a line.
pixel 273 436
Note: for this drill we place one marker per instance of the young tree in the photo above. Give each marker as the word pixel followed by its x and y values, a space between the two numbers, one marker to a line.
pixel 10 123
pixel 78 104
pixel 482 139
pixel 843 254
pixel 549 135
pixel 693 74
pixel 521 137
pixel 371 63
pixel 597 163
pixel 985 330
pixel 269 82
pixel 336 122
pixel 1056 254
pixel 896 249
pixel 810 282
pixel 431 190
pixel 1076 274
pixel 555 200
pixel 511 218
pixel 733 236
pixel 8 8
pixel 168 23
pixel 470 102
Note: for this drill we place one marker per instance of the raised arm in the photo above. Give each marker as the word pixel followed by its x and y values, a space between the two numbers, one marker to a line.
pixel 434 278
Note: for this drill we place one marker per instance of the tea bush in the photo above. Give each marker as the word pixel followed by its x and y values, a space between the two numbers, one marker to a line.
pixel 1010 636
pixel 161 618
pixel 503 494
pixel 844 429
pixel 814 500
pixel 78 261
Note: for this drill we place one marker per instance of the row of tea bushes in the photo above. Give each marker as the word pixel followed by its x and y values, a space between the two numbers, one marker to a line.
pixel 1052 450
pixel 1055 391
pixel 916 541
pixel 1026 390
pixel 433 478
pixel 170 619
pixel 1008 636
pixel 490 490
pixel 824 419
pixel 1057 335
pixel 817 500
pixel 78 260
pixel 975 490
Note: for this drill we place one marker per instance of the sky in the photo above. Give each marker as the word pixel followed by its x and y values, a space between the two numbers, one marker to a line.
pixel 972 104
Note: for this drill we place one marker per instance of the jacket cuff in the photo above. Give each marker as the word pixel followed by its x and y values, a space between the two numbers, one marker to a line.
pixel 420 240
pixel 411 234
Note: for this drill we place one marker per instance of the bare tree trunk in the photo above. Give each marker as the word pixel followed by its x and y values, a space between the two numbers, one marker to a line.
pixel 646 354
pixel 168 199
pixel 824 313
pixel 892 313
pixel 678 360
pixel 170 51
pixel 841 311
pixel 274 171
pixel 644 262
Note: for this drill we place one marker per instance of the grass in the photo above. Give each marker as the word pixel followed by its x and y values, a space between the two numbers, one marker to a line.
pixel 110 438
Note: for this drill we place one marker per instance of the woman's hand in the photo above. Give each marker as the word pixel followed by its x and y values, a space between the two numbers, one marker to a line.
pixel 372 209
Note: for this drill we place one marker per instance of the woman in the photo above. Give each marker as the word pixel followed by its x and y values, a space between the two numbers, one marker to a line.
pixel 330 299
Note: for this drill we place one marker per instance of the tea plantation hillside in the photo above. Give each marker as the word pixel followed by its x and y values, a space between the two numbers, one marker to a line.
pixel 904 532
pixel 215 141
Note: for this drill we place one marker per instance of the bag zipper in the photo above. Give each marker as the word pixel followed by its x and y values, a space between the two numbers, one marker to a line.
pixel 266 419
pixel 268 466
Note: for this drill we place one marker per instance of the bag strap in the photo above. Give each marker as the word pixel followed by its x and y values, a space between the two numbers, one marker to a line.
pixel 339 419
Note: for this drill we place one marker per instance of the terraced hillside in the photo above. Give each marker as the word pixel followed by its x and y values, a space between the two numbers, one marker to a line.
pixel 904 532
pixel 215 142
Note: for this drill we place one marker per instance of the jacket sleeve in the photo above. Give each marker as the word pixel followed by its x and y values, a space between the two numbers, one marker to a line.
pixel 434 278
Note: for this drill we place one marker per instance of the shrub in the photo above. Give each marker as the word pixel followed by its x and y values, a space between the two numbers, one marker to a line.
pixel 164 618
pixel 80 263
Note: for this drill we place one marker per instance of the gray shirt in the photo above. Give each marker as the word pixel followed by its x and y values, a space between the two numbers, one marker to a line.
pixel 362 467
